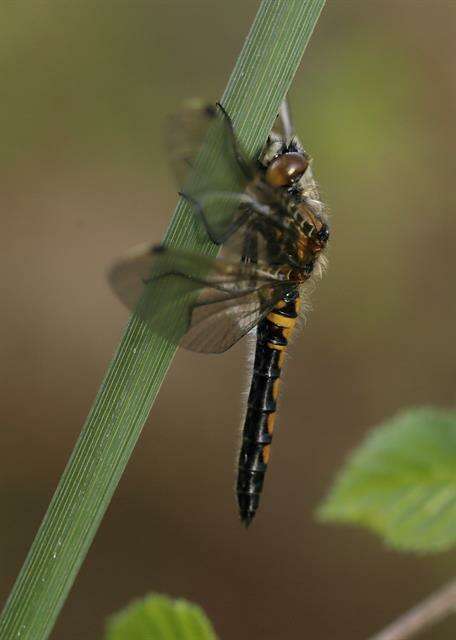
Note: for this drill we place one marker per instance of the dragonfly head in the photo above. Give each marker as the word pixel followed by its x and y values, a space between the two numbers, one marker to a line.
pixel 286 169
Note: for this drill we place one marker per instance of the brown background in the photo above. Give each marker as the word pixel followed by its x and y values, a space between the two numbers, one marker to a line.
pixel 86 87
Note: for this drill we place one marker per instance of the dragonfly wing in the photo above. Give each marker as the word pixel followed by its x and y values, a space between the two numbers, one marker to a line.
pixel 127 276
pixel 146 263
pixel 217 190
pixel 205 304
pixel 216 325
pixel 185 133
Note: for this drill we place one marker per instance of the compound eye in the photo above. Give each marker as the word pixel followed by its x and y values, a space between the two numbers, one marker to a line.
pixel 286 169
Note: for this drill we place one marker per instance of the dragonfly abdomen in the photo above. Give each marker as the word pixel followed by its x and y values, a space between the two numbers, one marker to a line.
pixel 272 340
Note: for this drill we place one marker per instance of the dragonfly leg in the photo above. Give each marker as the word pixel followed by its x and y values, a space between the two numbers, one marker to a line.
pixel 286 121
pixel 216 238
pixel 250 245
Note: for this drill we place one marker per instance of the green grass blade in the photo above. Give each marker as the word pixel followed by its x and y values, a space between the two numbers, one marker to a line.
pixel 260 80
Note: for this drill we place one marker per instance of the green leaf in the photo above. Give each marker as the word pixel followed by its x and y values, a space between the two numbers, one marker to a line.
pixel 160 618
pixel 401 482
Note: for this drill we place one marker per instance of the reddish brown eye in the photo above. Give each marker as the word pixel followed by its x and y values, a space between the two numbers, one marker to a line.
pixel 286 169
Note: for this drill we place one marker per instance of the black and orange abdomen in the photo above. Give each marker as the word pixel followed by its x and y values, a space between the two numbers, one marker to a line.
pixel 272 340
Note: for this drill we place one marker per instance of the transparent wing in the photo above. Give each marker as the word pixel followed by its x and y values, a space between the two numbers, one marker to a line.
pixel 128 275
pixel 216 190
pixel 216 325
pixel 185 133
pixel 202 303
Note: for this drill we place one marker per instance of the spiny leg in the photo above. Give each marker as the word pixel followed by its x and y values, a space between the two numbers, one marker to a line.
pixel 250 245
pixel 216 238
pixel 286 120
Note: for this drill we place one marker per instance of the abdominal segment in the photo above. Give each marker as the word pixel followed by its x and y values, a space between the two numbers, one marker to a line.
pixel 272 340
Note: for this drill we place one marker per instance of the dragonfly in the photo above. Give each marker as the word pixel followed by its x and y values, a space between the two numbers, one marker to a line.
pixel 272 232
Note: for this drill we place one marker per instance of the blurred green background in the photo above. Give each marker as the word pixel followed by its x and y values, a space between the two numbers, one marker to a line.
pixel 86 88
